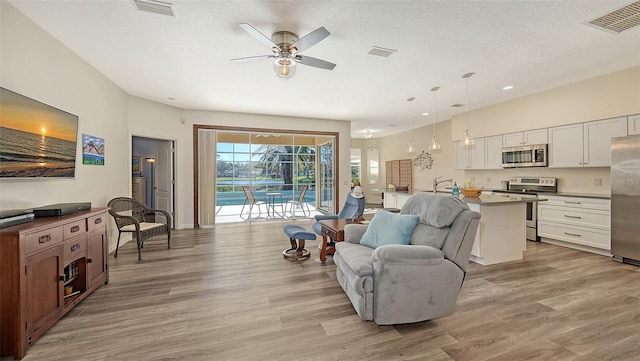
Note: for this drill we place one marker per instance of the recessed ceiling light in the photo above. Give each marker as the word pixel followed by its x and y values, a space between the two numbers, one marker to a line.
pixel 425 114
pixel 508 87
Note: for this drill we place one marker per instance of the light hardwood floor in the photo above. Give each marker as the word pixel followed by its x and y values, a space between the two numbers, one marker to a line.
pixel 228 294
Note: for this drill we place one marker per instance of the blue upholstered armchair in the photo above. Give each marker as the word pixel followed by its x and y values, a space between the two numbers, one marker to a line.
pixel 352 207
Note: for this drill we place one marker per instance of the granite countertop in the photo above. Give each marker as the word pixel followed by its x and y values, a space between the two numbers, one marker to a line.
pixel 497 199
pixel 584 195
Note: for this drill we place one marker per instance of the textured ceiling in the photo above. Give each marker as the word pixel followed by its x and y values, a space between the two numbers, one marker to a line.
pixel 534 45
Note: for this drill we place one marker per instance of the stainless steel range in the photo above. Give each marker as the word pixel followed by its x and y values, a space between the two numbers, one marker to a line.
pixel 531 186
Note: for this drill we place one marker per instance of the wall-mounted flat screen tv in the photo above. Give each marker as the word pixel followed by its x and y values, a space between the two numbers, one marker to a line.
pixel 36 139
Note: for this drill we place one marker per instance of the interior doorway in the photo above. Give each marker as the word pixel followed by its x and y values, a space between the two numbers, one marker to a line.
pixel 155 187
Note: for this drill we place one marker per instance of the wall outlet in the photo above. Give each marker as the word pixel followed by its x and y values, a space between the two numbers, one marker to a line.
pixel 597 182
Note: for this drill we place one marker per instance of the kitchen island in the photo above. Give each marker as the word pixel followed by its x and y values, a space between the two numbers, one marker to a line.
pixel 501 235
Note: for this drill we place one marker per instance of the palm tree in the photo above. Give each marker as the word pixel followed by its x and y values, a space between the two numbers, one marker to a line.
pixel 280 159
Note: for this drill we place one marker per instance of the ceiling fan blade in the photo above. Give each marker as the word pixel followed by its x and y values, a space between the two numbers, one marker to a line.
pixel 252 58
pixel 258 35
pixel 317 63
pixel 311 39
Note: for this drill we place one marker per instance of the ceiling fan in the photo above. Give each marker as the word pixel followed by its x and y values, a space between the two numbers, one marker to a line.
pixel 286 47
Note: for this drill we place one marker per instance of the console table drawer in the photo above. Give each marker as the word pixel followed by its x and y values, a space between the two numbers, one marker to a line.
pixel 97 222
pixel 74 249
pixel 40 241
pixel 74 229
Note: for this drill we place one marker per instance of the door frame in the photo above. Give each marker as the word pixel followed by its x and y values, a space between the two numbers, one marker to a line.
pixel 172 165
pixel 196 170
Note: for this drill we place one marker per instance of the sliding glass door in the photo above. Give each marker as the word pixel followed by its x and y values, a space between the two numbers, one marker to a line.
pixel 274 168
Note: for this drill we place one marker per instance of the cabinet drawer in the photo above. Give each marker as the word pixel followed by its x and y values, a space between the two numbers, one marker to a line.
pixel 74 229
pixel 39 241
pixel 577 202
pixel 579 235
pixel 97 222
pixel 74 249
pixel 574 216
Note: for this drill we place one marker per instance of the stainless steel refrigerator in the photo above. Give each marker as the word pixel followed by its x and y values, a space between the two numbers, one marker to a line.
pixel 625 199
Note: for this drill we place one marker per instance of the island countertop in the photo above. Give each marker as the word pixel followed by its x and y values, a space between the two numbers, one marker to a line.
pixel 497 199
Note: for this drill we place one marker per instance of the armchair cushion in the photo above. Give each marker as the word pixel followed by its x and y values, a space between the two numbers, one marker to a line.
pixel 389 228
pixel 413 255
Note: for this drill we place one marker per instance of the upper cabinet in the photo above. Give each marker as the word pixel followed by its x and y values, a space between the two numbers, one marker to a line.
pixel 584 145
pixel 597 140
pixel 538 136
pixel 471 156
pixel 634 124
pixel 493 152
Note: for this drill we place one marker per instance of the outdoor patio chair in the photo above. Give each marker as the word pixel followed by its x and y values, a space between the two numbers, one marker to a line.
pixel 298 203
pixel 251 201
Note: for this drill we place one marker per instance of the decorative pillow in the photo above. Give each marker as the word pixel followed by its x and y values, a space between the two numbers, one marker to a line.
pixel 389 228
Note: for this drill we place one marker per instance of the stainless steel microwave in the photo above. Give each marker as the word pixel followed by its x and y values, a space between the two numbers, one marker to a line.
pixel 525 156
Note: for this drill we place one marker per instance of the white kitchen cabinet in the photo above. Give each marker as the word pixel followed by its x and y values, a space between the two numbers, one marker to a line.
pixel 493 152
pixel 576 222
pixel 538 136
pixel 597 140
pixel 566 146
pixel 471 156
pixel 585 144
pixel 395 200
pixel 633 124
pixel 501 234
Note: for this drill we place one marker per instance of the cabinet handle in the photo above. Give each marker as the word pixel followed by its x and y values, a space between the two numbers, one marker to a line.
pixel 97 221
pixel 75 247
pixel 44 239
pixel 62 278
pixel 89 260
pixel 75 229
pixel 573 234
pixel 569 216
pixel 572 202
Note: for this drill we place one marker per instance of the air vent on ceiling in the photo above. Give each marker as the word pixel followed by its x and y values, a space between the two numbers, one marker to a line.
pixel 456 105
pixel 383 52
pixel 619 20
pixel 153 6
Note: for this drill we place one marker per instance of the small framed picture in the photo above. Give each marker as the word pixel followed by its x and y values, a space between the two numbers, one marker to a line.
pixel 136 166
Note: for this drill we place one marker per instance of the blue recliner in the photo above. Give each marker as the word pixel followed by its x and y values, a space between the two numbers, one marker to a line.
pixel 352 207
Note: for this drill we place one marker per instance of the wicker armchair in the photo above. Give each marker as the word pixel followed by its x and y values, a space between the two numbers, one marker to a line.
pixel 131 216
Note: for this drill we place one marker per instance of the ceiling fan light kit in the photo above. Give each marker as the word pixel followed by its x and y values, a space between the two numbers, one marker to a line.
pixel 286 47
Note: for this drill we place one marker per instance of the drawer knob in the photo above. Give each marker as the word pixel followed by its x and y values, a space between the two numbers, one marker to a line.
pixel 75 247
pixel 97 221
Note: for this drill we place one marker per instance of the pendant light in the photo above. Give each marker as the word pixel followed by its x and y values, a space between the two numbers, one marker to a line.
pixel 467 140
pixel 434 141
pixel 410 147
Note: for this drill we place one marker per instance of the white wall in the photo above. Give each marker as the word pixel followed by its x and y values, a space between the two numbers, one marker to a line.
pixel 36 65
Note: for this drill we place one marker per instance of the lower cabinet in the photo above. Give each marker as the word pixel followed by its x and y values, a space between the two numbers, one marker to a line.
pixel 576 222
pixel 48 266
pixel 395 200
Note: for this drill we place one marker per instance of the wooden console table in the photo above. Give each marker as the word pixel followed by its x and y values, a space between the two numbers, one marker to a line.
pixel 47 267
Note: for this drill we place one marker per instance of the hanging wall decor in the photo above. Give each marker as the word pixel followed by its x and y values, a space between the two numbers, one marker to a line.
pixel 423 161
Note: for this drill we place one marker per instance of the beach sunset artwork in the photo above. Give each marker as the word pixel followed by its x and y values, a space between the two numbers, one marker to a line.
pixel 92 150
pixel 36 140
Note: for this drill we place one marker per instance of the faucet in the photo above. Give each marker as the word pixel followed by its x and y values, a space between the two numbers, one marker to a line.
pixel 436 182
